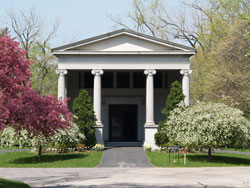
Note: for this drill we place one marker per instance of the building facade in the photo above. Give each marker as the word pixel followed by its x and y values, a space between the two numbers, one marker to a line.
pixel 129 75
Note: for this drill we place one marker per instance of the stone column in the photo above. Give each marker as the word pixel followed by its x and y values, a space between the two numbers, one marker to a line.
pixel 150 97
pixel 185 84
pixel 150 128
pixel 97 98
pixel 61 83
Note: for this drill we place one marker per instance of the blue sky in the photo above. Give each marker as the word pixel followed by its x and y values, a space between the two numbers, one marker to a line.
pixel 79 19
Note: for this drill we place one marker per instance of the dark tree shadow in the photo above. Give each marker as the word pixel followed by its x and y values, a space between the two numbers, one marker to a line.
pixel 49 158
pixel 12 184
pixel 220 159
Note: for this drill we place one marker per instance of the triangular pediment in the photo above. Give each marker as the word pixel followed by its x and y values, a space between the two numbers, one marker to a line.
pixel 123 41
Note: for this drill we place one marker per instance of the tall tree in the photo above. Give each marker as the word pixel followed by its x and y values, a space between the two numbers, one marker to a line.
pixel 154 18
pixel 20 105
pixel 4 31
pixel 35 39
pixel 204 25
pixel 247 34
pixel 230 81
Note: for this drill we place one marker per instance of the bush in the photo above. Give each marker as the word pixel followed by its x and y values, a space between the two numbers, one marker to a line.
pixel 83 109
pixel 147 147
pixel 173 99
pixel 61 140
pixel 160 137
pixel 68 138
pixel 11 138
pixel 207 125
pixel 80 147
pixel 98 147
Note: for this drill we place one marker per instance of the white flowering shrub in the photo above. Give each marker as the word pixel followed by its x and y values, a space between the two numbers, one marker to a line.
pixel 62 140
pixel 147 147
pixel 98 147
pixel 11 138
pixel 38 141
pixel 208 125
pixel 67 138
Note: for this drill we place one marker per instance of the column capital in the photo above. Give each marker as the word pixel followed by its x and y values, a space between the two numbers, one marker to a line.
pixel 61 72
pixel 150 72
pixel 186 72
pixel 97 72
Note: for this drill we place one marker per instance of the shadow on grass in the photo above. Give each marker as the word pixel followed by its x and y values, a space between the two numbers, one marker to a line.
pixel 220 159
pixel 12 184
pixel 49 158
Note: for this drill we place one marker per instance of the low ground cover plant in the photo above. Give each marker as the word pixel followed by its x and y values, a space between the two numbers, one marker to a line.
pixel 147 147
pixel 98 147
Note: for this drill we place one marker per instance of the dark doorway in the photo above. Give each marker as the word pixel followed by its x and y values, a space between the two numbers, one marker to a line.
pixel 123 124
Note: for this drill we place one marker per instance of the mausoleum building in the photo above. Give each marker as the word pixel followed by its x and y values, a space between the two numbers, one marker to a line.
pixel 129 75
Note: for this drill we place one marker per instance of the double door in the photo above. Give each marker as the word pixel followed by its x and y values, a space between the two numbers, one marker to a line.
pixel 123 122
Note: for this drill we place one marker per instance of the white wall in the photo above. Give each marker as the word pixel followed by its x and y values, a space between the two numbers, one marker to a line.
pixel 123 43
pixel 123 62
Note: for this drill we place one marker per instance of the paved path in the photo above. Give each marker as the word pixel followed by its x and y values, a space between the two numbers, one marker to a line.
pixel 229 177
pixel 125 157
pixel 233 152
pixel 13 150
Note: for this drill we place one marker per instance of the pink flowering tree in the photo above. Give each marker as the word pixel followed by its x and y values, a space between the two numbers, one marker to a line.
pixel 20 105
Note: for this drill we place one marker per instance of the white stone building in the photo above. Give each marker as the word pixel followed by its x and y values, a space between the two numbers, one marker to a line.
pixel 129 76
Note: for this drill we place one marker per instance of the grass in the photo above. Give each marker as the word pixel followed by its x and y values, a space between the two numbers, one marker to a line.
pixel 12 184
pixel 161 159
pixel 237 149
pixel 30 160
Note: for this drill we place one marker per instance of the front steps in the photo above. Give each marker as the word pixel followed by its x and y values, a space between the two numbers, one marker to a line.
pixel 123 144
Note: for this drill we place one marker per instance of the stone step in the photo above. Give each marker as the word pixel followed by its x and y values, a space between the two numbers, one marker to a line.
pixel 123 144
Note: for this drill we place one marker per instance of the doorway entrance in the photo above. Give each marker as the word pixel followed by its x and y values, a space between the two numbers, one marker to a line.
pixel 123 122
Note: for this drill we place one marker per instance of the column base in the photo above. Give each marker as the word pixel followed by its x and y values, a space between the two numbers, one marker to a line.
pixel 150 131
pixel 99 124
pixel 149 124
pixel 99 133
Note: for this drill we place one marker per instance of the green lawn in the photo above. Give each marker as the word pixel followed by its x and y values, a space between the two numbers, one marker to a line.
pixel 29 160
pixel 12 184
pixel 161 159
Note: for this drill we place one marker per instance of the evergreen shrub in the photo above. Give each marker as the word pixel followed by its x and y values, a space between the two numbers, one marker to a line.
pixel 173 99
pixel 85 117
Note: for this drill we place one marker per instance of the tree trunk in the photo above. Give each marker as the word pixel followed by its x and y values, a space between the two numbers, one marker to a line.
pixel 40 152
pixel 209 153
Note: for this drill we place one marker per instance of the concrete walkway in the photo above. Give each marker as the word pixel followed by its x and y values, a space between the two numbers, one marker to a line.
pixel 233 152
pixel 13 150
pixel 229 177
pixel 124 157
